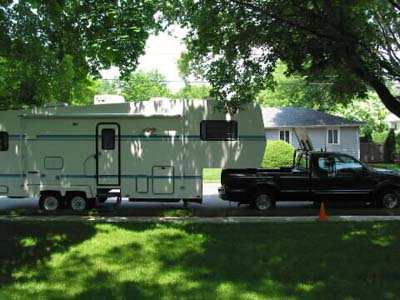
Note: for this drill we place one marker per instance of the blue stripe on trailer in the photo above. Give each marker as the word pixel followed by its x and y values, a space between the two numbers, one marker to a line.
pixel 132 176
pixel 134 137
pixel 65 137
pixel 11 175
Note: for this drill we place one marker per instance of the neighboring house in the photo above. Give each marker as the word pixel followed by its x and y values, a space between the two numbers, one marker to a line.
pixel 326 132
pixel 393 122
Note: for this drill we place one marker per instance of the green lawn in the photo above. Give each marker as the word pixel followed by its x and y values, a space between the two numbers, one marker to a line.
pixel 395 167
pixel 212 175
pixel 58 260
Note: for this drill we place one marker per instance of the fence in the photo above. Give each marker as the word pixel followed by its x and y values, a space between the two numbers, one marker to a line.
pixel 372 152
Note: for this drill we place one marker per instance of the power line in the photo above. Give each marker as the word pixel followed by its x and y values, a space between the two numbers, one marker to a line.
pixel 165 81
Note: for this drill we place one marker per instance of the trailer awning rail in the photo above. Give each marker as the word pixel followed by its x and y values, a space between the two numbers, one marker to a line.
pixel 98 116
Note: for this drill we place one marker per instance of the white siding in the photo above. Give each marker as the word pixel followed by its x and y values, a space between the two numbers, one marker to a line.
pixel 349 139
pixel 272 134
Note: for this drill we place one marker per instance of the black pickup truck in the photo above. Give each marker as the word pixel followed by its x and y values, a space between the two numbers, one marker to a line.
pixel 315 176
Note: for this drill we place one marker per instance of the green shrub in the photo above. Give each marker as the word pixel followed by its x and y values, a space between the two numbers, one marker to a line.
pixel 380 137
pixel 278 154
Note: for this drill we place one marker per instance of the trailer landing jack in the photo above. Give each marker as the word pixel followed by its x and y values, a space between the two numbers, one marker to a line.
pixel 103 195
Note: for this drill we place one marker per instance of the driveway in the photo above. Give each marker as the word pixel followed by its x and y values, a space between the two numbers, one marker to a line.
pixel 210 202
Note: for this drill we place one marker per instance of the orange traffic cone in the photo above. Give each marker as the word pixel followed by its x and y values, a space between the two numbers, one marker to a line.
pixel 322 213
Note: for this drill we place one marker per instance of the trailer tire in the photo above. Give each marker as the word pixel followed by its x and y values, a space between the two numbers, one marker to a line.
pixel 264 201
pixel 79 202
pixel 50 201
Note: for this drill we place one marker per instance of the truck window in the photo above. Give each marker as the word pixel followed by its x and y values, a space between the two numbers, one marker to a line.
pixel 346 164
pixel 302 161
pixel 326 165
pixel 218 130
pixel 3 141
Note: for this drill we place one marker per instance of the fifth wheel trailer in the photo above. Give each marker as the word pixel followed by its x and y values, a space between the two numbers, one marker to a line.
pixel 146 151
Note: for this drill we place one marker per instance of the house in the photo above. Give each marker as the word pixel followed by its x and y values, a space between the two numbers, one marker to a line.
pixel 393 122
pixel 325 131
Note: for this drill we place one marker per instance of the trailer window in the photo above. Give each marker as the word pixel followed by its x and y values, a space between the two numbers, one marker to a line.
pixel 3 141
pixel 108 139
pixel 218 130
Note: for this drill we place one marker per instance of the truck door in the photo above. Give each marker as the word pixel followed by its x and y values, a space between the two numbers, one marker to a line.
pixel 295 186
pixel 340 177
pixel 108 154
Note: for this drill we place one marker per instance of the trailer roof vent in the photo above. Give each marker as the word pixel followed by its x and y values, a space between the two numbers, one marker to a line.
pixel 108 99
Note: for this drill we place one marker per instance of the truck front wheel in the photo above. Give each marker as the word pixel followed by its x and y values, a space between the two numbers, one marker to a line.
pixel 264 201
pixel 389 199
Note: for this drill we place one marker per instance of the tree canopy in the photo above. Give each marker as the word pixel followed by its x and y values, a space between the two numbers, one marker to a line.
pixel 48 48
pixel 235 44
pixel 143 86
pixel 297 91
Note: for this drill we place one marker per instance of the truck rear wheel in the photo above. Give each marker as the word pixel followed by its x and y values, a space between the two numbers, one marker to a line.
pixel 264 201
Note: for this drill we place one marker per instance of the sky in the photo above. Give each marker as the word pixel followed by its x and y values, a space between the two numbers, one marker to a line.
pixel 162 54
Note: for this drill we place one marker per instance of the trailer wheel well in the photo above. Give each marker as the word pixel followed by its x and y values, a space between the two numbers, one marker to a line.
pixel 50 192
pixel 70 194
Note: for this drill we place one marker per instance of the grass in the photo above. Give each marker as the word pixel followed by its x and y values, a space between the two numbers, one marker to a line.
pixel 212 175
pixel 395 167
pixel 58 260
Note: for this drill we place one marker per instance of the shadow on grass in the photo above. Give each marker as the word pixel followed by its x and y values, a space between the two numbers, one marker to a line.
pixel 283 209
pixel 202 261
pixel 28 246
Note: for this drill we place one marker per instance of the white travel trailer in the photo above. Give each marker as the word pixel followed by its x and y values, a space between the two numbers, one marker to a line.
pixel 147 151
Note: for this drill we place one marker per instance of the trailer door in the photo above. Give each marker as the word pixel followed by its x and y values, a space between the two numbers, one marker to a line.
pixel 108 153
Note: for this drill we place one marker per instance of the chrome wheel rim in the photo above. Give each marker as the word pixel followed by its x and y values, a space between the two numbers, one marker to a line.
pixel 78 203
pixel 263 202
pixel 50 203
pixel 390 200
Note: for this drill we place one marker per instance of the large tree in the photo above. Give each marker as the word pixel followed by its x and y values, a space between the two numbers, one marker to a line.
pixel 47 48
pixel 296 91
pixel 141 85
pixel 350 44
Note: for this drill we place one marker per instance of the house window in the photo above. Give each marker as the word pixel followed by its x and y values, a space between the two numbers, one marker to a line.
pixel 284 135
pixel 108 139
pixel 333 136
pixel 3 141
pixel 218 130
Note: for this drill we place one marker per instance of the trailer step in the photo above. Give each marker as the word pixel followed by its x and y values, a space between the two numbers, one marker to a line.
pixel 113 193
pixel 108 195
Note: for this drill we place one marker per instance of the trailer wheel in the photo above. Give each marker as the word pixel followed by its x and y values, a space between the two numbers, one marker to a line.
pixel 78 202
pixel 50 202
pixel 264 201
pixel 389 198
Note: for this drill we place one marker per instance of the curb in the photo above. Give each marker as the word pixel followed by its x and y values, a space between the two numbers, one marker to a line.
pixel 211 220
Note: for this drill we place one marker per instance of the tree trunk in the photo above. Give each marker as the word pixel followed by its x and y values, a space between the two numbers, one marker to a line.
pixel 391 102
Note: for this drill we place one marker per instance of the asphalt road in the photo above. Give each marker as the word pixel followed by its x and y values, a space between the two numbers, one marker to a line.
pixel 210 202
